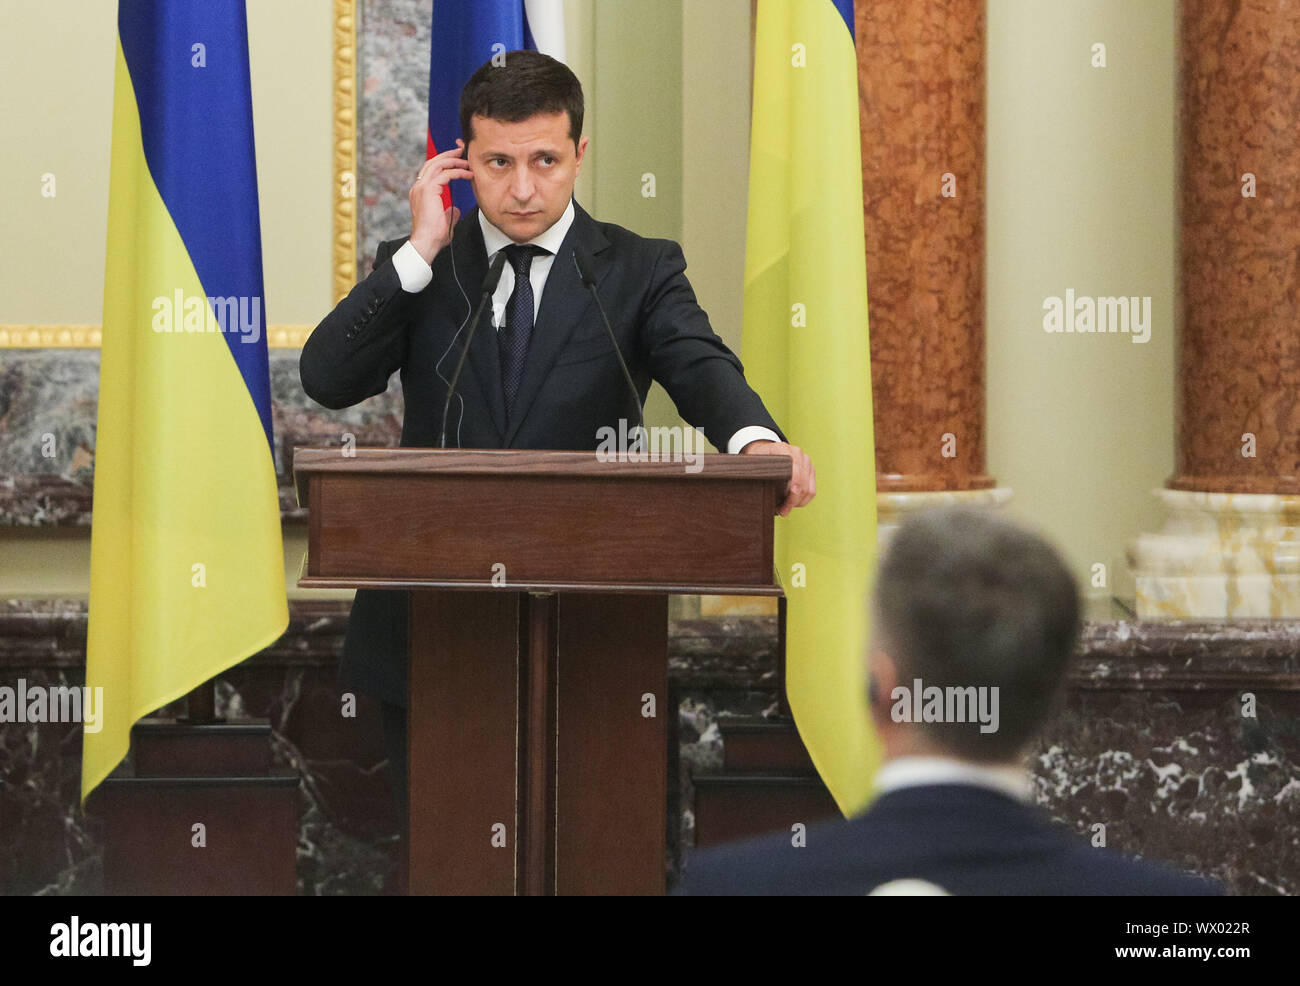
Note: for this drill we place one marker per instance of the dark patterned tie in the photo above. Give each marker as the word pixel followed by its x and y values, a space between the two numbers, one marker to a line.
pixel 514 336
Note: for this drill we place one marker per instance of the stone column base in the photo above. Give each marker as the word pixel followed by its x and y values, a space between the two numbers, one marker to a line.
pixel 1220 555
pixel 894 508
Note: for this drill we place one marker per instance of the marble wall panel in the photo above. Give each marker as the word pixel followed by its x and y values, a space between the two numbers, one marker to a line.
pixel 1153 743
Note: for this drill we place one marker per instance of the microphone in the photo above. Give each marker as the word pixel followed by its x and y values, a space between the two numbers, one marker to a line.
pixel 582 260
pixel 489 288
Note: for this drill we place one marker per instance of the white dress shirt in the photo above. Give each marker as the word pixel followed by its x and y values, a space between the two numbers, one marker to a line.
pixel 415 276
pixel 919 771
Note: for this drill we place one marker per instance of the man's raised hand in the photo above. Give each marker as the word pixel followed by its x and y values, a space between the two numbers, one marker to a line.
pixel 431 224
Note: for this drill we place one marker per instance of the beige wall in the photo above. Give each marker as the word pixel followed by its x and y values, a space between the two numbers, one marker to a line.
pixel 667 84
pixel 1080 194
pixel 637 76
pixel 715 103
pixel 290 57
pixel 56 100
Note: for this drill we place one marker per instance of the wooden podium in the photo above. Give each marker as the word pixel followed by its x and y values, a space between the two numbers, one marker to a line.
pixel 538 633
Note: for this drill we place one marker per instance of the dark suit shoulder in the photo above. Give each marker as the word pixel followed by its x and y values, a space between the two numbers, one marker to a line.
pixel 959 838
pixel 1106 872
pixel 353 351
pixel 387 248
pixel 650 249
pixel 628 242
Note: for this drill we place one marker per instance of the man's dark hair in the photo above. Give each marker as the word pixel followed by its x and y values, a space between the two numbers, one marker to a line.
pixel 527 84
pixel 965 598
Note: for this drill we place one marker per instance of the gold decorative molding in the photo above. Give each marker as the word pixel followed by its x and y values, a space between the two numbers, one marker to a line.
pixel 344 210
pixel 287 336
pixel 49 336
pixel 88 336
pixel 345 147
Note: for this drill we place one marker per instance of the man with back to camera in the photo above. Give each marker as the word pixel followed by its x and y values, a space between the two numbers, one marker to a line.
pixel 544 373
pixel 963 600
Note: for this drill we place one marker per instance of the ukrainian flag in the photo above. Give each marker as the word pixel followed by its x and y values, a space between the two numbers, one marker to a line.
pixel 186 564
pixel 806 350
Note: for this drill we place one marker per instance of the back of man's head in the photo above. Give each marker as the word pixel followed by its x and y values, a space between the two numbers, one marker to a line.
pixel 965 599
pixel 519 85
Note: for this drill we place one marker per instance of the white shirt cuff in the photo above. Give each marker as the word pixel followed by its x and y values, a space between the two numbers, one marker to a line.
pixel 751 433
pixel 412 271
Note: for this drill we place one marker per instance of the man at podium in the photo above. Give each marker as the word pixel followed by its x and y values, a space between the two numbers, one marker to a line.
pixel 544 374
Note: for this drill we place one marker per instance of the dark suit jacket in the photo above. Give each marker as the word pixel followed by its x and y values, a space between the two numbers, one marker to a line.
pixel 572 385
pixel 965 839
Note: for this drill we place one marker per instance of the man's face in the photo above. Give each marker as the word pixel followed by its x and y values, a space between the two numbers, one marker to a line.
pixel 524 172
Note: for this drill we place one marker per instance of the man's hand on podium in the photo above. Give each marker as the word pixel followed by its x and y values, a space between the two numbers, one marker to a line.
pixel 803 478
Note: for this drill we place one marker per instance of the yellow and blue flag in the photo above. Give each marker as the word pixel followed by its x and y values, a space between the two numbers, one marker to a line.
pixel 807 351
pixel 186 566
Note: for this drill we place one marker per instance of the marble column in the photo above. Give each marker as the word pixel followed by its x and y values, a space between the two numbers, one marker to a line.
pixel 1231 547
pixel 921 99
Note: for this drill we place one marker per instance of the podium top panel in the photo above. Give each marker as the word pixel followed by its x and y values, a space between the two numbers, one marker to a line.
pixel 553 521
pixel 535 463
